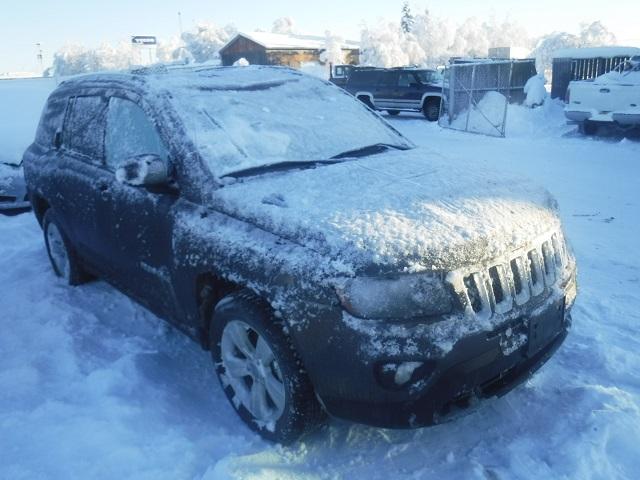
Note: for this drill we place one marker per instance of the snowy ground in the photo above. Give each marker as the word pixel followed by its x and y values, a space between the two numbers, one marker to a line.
pixel 93 386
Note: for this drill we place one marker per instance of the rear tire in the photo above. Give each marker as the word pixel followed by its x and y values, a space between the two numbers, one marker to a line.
pixel 431 109
pixel 589 128
pixel 259 370
pixel 366 101
pixel 63 258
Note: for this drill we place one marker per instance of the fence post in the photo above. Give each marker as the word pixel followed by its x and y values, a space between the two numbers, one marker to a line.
pixel 471 91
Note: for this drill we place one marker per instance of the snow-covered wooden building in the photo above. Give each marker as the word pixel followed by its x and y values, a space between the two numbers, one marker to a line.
pixel 263 48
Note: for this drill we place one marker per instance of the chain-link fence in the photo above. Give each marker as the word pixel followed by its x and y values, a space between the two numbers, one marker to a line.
pixel 476 96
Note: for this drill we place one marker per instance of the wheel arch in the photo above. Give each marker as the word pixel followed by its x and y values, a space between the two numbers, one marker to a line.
pixel 40 207
pixel 429 97
pixel 210 289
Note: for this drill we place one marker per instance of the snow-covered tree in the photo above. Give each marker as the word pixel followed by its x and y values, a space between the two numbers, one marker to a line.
pixel 75 59
pixel 406 21
pixel 386 45
pixel 507 33
pixel 206 39
pixel 284 25
pixel 595 34
pixel 434 37
pixel 333 53
pixel 548 45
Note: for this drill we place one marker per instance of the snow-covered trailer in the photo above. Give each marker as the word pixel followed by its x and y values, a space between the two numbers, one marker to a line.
pixel 572 64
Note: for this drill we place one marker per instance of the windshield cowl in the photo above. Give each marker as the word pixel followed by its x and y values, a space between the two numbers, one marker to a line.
pixel 303 165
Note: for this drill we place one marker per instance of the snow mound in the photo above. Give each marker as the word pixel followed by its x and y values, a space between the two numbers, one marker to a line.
pixel 486 117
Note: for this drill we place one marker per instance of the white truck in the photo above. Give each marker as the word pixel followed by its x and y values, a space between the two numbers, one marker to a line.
pixel 612 98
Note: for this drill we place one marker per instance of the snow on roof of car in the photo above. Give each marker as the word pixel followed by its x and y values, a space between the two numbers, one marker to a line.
pixel 596 52
pixel 278 40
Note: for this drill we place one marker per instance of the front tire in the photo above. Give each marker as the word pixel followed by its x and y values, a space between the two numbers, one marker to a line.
pixel 431 109
pixel 260 372
pixel 64 261
pixel 393 113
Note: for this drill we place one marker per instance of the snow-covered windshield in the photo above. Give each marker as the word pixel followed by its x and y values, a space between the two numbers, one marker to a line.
pixel 249 117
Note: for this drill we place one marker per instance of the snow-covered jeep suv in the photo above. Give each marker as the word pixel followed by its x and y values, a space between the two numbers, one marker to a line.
pixel 397 90
pixel 612 98
pixel 328 265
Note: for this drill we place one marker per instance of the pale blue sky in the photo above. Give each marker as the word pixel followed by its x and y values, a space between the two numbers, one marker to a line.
pixel 89 22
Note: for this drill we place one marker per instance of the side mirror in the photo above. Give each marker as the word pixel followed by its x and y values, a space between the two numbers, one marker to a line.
pixel 143 170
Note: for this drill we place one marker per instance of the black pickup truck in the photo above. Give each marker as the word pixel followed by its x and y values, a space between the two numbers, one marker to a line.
pixel 397 89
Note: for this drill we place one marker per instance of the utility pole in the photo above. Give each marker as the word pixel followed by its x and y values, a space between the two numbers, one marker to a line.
pixel 180 23
pixel 39 57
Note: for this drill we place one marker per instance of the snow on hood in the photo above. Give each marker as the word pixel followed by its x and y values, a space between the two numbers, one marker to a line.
pixel 409 211
pixel 630 77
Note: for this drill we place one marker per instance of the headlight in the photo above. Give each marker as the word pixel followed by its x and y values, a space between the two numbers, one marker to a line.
pixel 402 297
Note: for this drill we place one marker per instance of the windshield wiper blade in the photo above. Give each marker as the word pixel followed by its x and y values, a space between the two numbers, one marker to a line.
pixel 278 167
pixel 369 150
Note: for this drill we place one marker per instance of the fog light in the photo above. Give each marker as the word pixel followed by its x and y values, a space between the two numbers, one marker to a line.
pixel 399 375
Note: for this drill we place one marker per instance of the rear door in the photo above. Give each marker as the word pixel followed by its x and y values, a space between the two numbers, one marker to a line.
pixel 79 170
pixel 137 222
pixel 386 90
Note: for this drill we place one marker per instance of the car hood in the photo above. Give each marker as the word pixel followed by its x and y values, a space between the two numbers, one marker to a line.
pixel 398 211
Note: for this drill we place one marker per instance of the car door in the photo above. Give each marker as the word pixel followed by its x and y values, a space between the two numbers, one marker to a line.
pixel 386 90
pixel 73 188
pixel 408 93
pixel 137 221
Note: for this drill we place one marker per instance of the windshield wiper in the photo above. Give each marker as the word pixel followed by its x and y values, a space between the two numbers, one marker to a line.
pixel 303 165
pixel 278 167
pixel 369 150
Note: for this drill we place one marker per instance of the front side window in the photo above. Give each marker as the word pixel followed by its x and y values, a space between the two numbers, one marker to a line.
pixel 85 126
pixel 406 80
pixel 130 132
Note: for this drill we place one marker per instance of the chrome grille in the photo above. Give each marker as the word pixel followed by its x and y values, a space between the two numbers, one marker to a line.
pixel 512 280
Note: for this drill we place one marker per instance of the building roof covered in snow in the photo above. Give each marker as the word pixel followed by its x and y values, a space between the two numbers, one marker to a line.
pixel 264 48
pixel 275 41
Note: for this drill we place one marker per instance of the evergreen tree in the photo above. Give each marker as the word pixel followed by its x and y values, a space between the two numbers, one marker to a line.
pixel 407 18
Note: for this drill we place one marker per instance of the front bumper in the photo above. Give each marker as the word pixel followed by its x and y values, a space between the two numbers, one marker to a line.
pixel 14 208
pixel 348 367
pixel 619 118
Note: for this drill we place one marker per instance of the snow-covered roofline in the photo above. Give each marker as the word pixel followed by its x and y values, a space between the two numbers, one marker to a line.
pixel 275 41
pixel 597 52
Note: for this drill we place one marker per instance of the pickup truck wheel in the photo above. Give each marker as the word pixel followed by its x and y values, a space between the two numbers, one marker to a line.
pixel 393 113
pixel 260 372
pixel 588 128
pixel 431 109
pixel 367 101
pixel 64 261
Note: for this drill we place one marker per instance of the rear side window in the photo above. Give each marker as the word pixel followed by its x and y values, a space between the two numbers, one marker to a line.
pixel 85 127
pixel 389 79
pixel 130 132
pixel 365 76
pixel 51 121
